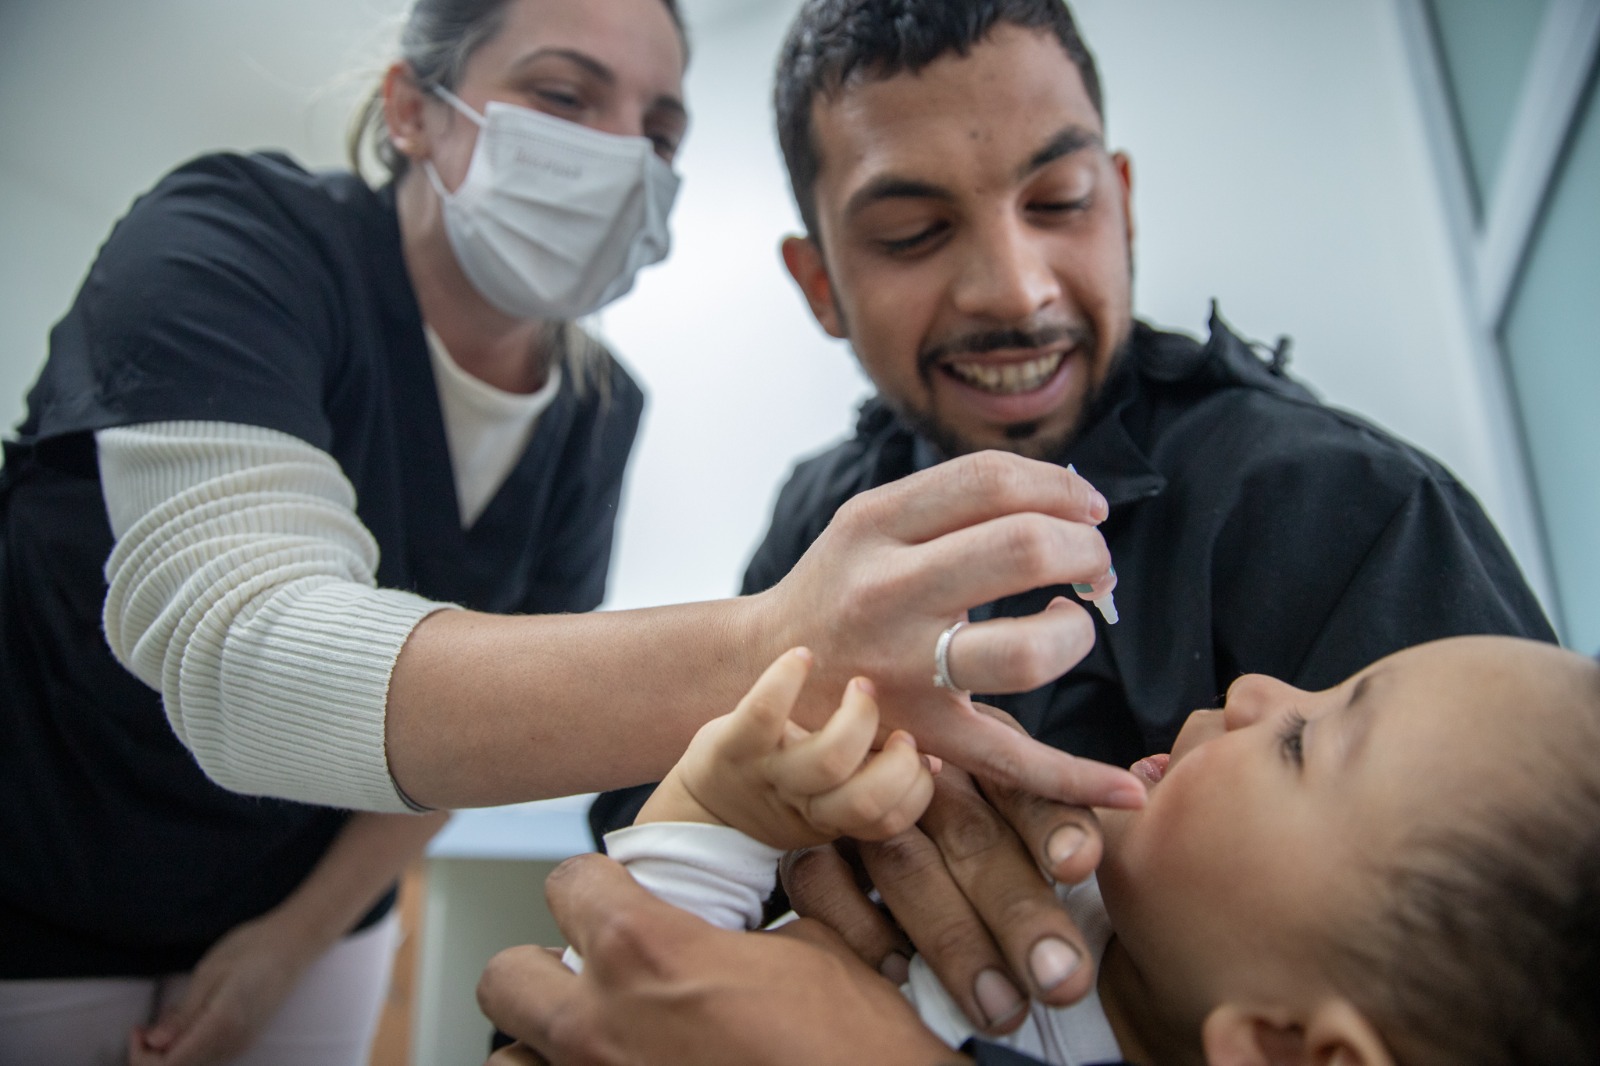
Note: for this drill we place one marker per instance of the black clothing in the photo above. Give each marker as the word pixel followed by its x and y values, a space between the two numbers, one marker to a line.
pixel 242 289
pixel 1253 531
pixel 995 1055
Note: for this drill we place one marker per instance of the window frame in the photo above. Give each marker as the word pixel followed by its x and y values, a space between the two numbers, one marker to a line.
pixel 1492 241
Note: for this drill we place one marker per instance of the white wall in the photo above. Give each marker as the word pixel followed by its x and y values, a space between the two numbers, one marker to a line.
pixel 98 99
pixel 1280 165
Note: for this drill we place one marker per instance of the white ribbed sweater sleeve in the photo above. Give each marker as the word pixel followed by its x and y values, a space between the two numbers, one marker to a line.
pixel 242 588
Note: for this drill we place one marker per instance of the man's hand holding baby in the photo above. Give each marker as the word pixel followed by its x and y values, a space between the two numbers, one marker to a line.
pixel 759 772
pixel 966 885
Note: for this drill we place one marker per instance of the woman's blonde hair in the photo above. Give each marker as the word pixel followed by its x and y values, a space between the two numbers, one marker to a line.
pixel 436 41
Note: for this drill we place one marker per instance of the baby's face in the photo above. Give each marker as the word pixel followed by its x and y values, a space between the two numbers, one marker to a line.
pixel 1261 838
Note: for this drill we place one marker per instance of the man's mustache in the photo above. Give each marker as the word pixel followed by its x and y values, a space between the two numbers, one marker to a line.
pixel 996 340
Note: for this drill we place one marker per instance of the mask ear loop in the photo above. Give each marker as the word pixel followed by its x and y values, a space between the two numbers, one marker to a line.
pixel 436 181
pixel 460 105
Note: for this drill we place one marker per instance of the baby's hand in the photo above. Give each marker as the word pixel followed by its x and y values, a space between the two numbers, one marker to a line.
pixel 762 774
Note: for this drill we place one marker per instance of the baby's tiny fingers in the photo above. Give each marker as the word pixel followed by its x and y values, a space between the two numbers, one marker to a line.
pixel 826 759
pixel 761 720
pixel 883 799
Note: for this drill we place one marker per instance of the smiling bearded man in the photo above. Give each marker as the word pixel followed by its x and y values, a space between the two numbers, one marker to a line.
pixel 970 234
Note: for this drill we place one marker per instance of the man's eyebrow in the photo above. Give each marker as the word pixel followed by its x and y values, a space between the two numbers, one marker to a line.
pixel 1070 140
pixel 889 187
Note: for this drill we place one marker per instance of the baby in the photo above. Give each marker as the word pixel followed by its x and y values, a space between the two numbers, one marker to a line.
pixel 1404 868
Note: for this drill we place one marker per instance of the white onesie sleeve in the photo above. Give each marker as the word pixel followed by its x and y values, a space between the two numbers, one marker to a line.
pixel 712 871
pixel 242 589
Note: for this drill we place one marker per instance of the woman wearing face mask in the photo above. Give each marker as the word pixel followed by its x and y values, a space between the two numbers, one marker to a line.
pixel 310 494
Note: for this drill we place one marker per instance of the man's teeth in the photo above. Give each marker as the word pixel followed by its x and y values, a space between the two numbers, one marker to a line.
pixel 1007 379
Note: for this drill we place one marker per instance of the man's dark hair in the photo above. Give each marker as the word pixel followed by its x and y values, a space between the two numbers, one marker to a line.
pixel 1488 950
pixel 835 42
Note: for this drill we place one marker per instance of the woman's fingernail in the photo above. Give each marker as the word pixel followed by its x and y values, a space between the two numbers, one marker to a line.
pixel 1052 961
pixel 864 685
pixel 997 997
pixel 1064 844
pixel 1099 509
pixel 896 967
pixel 1126 798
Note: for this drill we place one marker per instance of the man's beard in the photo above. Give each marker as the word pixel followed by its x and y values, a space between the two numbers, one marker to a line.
pixel 1022 438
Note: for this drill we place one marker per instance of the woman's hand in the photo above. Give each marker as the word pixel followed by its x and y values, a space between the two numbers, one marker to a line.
pixel 231 996
pixel 578 703
pixel 898 565
pixel 241 982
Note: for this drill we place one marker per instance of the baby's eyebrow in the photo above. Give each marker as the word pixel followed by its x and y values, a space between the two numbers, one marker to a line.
pixel 1355 720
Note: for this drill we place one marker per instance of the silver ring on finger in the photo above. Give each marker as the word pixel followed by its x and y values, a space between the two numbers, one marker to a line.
pixel 941 660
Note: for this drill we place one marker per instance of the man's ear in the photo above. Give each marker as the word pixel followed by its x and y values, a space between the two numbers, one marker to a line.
pixel 1124 168
pixel 803 257
pixel 1335 1034
pixel 402 112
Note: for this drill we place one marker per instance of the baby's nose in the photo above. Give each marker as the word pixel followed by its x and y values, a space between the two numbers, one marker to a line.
pixel 1254 697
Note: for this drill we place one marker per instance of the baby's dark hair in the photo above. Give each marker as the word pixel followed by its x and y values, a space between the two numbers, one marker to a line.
pixel 834 42
pixel 1490 952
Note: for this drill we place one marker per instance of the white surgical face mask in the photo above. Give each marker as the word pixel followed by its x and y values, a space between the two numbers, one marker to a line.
pixel 553 219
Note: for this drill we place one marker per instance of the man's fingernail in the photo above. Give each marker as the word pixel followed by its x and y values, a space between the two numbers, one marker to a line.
pixel 1053 960
pixel 1064 844
pixel 997 997
pixel 896 967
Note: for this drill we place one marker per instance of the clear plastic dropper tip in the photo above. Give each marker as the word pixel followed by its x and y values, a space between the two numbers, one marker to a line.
pixel 1107 606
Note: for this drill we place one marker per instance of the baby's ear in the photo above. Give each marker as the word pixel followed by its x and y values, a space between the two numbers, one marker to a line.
pixel 1334 1034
